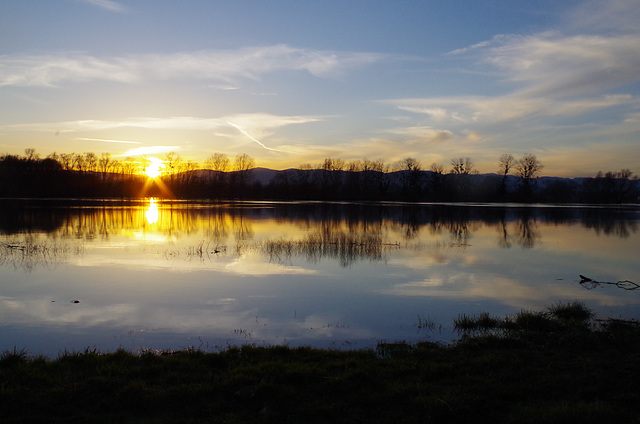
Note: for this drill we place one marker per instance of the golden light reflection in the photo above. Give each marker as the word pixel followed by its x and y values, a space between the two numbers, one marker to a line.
pixel 152 213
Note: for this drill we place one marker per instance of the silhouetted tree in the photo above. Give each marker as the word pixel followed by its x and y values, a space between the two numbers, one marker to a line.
pixel 79 163
pixel 66 161
pixel 461 169
pixel 436 181
pixel 462 166
pixel 411 178
pixel 611 187
pixel 506 162
pixel 172 163
pixel 242 167
pixel 105 165
pixel 331 177
pixel 31 155
pixel 91 161
pixel 528 169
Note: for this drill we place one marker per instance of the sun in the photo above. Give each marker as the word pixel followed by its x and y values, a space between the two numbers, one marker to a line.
pixel 154 168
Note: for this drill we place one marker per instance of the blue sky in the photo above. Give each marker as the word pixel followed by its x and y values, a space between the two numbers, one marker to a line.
pixel 294 82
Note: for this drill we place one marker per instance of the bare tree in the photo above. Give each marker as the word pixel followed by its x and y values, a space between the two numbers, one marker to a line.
pixel 462 166
pixel 411 164
pixel 242 166
pixel 116 166
pixel 506 162
pixel 31 154
pixel 376 180
pixel 461 169
pixel 128 166
pixel 411 177
pixel 303 175
pixel 436 181
pixel 329 179
pixel 528 168
pixel 330 164
pixel 66 160
pixel 355 166
pixel 243 162
pixel 437 168
pixel 172 164
pixel 79 163
pixel 191 165
pixel 620 185
pixel 218 162
pixel 105 163
pixel 91 161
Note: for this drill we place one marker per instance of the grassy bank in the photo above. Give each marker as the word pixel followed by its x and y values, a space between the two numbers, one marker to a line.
pixel 553 366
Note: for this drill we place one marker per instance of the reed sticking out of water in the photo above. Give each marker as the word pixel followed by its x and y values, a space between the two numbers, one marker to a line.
pixel 561 317
pixel 346 247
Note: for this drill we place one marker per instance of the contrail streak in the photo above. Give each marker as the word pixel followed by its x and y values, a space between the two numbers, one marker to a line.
pixel 242 130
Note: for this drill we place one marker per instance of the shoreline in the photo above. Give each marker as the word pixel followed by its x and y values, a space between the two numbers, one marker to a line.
pixel 557 365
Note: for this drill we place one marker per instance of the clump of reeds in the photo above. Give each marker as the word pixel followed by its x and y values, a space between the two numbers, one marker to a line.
pixel 575 312
pixel 560 317
pixel 476 324
pixel 10 358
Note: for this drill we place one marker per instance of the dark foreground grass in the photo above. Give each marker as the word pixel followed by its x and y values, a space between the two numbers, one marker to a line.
pixel 557 366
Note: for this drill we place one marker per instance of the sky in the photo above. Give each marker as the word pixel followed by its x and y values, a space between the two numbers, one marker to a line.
pixel 292 82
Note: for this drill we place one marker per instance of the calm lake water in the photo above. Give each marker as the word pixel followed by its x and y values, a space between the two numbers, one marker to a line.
pixel 170 275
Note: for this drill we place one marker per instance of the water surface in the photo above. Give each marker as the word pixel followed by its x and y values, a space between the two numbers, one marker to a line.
pixel 169 275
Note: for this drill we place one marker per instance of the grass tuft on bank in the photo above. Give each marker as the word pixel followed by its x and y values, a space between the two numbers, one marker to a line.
pixel 557 365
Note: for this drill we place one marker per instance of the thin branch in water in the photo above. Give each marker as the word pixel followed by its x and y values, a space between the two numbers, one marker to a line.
pixel 590 284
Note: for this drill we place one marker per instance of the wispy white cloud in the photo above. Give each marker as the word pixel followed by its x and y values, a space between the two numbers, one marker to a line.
pixel 555 65
pixel 546 75
pixel 223 87
pixel 109 141
pixel 257 123
pixel 510 107
pixel 238 129
pixel 109 5
pixel 541 80
pixel 218 65
pixel 430 134
pixel 150 150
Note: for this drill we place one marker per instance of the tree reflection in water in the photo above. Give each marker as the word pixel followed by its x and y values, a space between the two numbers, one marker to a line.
pixel 43 233
pixel 289 271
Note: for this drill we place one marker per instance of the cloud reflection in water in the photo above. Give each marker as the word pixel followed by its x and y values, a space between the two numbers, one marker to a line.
pixel 169 273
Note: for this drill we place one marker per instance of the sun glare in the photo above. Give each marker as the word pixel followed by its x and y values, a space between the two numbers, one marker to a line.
pixel 152 213
pixel 154 168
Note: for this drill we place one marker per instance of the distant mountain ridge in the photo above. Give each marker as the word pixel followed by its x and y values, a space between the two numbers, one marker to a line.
pixel 424 185
pixel 266 175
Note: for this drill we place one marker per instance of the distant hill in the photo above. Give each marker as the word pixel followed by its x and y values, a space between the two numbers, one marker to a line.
pixel 21 177
pixel 265 176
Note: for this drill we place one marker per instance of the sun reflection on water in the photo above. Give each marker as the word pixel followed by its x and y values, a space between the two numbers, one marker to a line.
pixel 300 274
pixel 152 212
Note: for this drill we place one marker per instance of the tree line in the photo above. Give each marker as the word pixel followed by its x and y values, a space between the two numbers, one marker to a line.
pixel 220 177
